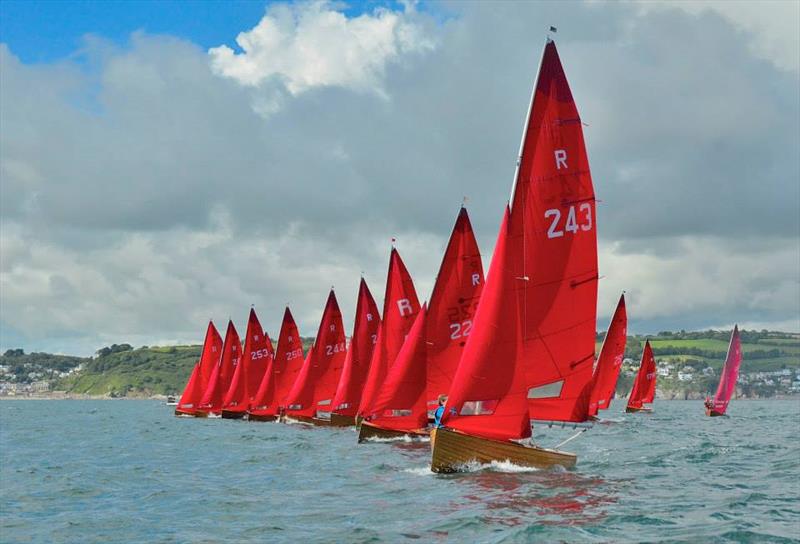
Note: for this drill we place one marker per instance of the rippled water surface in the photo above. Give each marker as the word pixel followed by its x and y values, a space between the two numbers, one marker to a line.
pixel 129 471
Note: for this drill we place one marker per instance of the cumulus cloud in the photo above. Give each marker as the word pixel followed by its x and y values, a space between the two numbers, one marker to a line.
pixel 141 194
pixel 310 44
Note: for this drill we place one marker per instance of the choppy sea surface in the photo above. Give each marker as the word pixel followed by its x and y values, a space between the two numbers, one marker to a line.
pixel 129 471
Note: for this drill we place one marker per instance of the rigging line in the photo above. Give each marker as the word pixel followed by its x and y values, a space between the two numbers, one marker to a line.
pixel 571 438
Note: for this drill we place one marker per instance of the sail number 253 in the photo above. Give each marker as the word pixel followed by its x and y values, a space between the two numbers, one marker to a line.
pixel 576 219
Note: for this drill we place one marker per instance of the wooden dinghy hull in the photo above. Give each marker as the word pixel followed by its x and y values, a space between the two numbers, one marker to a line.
pixel 713 413
pixel 368 430
pixel 261 417
pixel 309 420
pixel 338 420
pixel 231 414
pixel 453 450
pixel 185 413
pixel 632 410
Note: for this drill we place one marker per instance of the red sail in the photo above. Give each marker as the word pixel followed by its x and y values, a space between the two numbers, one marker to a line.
pixel 400 306
pixel 201 373
pixel 488 397
pixel 730 373
pixel 223 372
pixel 249 373
pixel 452 309
pixel 316 384
pixel 400 403
pixel 644 385
pixel 212 347
pixel 554 233
pixel 610 361
pixel 356 363
pixel 192 392
pixel 281 370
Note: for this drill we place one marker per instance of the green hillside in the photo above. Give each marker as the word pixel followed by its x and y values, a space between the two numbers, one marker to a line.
pixel 136 372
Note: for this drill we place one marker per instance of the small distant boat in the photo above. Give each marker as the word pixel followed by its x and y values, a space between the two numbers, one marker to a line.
pixel 172 400
pixel 280 373
pixel 356 362
pixel 727 382
pixel 400 308
pixel 201 373
pixel 311 397
pixel 644 385
pixel 247 376
pixel 220 381
pixel 532 346
pixel 609 363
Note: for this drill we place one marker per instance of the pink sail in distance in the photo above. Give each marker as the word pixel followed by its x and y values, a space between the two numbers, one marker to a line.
pixel 730 373
pixel 644 385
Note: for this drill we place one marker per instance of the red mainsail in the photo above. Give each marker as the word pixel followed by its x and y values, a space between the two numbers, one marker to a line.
pixel 221 377
pixel 212 347
pixel 191 393
pixel 316 383
pixel 488 397
pixel 400 403
pixel 400 306
pixel 356 362
pixel 609 362
pixel 452 308
pixel 281 370
pixel 201 373
pixel 247 377
pixel 554 229
pixel 644 385
pixel 730 373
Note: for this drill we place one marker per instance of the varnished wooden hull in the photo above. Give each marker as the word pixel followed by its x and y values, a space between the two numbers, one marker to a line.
pixel 231 414
pixel 368 430
pixel 633 410
pixel 338 420
pixel 185 413
pixel 713 413
pixel 309 420
pixel 261 417
pixel 452 450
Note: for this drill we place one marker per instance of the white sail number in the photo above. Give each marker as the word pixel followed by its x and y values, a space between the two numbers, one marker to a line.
pixel 334 348
pixel 293 354
pixel 259 354
pixel 571 225
pixel 460 330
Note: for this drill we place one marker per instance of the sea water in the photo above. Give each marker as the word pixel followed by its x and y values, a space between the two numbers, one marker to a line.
pixel 129 471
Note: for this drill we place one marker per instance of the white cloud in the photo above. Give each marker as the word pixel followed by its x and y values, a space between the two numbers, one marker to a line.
pixel 143 196
pixel 309 45
pixel 772 27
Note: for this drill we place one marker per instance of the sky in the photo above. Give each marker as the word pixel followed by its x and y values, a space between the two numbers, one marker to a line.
pixel 166 163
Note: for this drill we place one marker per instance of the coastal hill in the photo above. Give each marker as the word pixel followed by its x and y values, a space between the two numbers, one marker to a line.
pixel 688 367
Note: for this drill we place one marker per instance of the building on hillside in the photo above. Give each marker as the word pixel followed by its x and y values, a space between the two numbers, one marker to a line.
pixel 685 376
pixel 708 371
pixel 40 386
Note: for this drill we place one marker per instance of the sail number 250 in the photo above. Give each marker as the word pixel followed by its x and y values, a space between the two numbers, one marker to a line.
pixel 557 229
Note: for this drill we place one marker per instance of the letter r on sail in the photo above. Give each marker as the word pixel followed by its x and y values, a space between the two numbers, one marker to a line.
pixel 404 305
pixel 561 158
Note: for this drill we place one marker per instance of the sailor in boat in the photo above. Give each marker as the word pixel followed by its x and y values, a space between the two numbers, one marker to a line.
pixel 437 415
pixel 709 404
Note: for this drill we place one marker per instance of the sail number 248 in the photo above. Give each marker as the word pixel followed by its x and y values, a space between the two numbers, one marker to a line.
pixel 580 219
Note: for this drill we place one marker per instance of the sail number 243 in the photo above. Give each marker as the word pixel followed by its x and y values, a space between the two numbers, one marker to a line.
pixel 580 218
